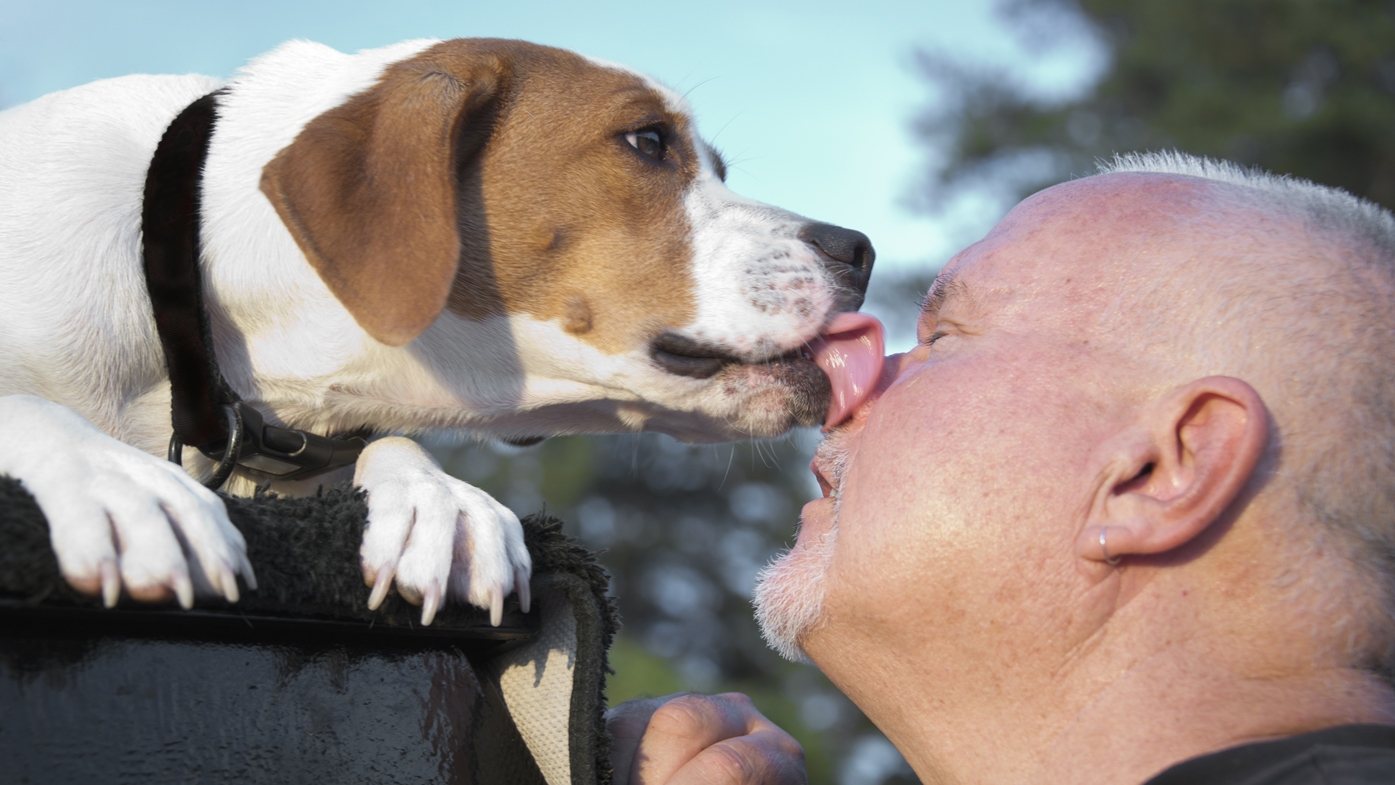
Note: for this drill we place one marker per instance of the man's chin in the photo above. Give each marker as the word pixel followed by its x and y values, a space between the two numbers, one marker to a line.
pixel 789 591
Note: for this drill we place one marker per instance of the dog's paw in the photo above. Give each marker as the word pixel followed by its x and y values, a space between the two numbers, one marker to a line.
pixel 436 536
pixel 118 517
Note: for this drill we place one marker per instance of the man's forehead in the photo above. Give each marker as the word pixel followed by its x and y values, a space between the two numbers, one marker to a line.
pixel 988 276
pixel 1083 220
pixel 975 285
pixel 1062 249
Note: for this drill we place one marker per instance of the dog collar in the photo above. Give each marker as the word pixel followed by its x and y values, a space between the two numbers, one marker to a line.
pixel 206 413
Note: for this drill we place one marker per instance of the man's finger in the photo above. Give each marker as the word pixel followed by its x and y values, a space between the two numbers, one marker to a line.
pixel 719 738
pixel 679 731
pixel 767 757
pixel 626 724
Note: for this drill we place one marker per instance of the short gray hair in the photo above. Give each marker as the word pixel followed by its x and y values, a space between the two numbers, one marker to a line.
pixel 1309 310
pixel 1344 214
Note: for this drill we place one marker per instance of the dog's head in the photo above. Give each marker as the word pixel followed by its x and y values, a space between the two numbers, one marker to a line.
pixel 567 210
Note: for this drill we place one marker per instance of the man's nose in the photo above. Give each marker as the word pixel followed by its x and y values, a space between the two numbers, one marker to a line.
pixel 892 368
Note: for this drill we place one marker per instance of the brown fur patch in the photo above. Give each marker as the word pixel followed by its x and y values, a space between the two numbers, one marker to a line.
pixel 578 318
pixel 492 177
pixel 559 210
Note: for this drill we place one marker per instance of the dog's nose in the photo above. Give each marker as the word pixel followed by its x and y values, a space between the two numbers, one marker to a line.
pixel 847 254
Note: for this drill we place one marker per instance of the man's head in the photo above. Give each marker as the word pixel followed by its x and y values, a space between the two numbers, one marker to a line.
pixel 1191 360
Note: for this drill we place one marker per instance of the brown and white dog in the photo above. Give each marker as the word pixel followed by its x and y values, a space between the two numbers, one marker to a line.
pixel 471 234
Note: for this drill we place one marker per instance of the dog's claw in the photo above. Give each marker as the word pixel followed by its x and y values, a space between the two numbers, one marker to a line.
pixel 227 583
pixel 520 584
pixel 444 539
pixel 430 602
pixel 247 574
pixel 183 589
pixel 111 582
pixel 381 583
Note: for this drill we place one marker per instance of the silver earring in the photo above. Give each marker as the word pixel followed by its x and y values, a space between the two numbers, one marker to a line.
pixel 1104 549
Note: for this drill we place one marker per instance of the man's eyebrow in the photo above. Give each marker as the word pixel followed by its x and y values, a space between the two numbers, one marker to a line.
pixel 946 285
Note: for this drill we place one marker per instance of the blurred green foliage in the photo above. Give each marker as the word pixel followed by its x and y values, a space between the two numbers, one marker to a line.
pixel 1301 87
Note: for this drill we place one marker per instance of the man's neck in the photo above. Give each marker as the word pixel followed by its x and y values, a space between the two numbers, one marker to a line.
pixel 1110 725
pixel 1160 714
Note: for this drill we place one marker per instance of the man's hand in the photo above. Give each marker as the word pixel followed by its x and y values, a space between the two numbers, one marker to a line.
pixel 710 739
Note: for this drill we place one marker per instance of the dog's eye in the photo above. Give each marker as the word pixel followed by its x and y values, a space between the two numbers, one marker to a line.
pixel 648 141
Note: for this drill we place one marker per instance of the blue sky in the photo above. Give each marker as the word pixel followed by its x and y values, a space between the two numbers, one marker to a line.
pixel 811 101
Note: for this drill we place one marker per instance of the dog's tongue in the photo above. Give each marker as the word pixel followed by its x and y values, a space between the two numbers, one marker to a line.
pixel 850 352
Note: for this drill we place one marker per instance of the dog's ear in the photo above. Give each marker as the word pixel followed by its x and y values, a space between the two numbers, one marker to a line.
pixel 369 188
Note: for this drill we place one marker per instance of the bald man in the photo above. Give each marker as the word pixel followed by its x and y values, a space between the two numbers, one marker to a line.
pixel 1127 512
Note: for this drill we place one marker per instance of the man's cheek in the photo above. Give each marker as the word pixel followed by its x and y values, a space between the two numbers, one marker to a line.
pixel 879 518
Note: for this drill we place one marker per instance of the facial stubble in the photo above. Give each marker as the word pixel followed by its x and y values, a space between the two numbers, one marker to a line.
pixel 789 591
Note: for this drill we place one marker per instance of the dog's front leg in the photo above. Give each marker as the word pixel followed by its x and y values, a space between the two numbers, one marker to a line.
pixel 436 535
pixel 118 517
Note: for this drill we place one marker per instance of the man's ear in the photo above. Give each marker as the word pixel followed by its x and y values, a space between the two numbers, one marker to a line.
pixel 1174 471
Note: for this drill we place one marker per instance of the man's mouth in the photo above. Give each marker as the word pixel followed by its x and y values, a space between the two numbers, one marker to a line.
pixel 824 485
pixel 831 461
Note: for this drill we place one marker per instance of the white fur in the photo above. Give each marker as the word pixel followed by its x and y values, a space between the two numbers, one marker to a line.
pixel 785 280
pixel 83 370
